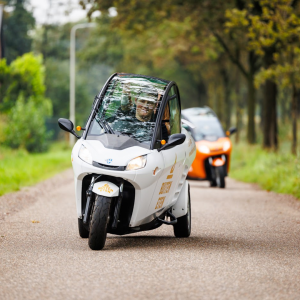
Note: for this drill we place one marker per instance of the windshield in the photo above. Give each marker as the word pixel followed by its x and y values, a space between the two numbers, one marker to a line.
pixel 207 128
pixel 130 107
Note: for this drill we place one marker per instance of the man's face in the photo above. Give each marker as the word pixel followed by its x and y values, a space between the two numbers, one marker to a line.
pixel 144 109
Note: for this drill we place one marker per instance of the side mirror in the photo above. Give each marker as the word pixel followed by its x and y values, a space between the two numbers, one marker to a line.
pixel 174 140
pixel 67 125
pixel 231 131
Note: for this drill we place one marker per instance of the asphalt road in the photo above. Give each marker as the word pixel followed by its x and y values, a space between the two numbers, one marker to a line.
pixel 244 245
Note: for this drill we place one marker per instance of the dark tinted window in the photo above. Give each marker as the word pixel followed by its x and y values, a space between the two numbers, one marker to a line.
pixel 175 120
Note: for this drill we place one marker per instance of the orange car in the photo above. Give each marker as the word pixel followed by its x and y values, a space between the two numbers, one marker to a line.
pixel 212 159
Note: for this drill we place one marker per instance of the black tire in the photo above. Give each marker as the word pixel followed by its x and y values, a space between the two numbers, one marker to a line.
pixel 83 232
pixel 182 228
pixel 220 177
pixel 213 183
pixel 98 223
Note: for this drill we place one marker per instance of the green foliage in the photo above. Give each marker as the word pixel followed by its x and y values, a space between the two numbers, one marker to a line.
pixel 248 34
pixel 32 72
pixel 124 52
pixel 278 172
pixel 24 103
pixel 277 26
pixel 24 75
pixel 88 83
pixel 53 42
pixel 5 78
pixel 26 124
pixel 16 27
pixel 18 168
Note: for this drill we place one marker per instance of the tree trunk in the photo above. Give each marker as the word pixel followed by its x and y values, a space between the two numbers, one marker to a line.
pixel 253 68
pixel 270 116
pixel 283 111
pixel 270 139
pixel 251 110
pixel 252 60
pixel 227 102
pixel 238 101
pixel 238 107
pixel 294 120
pixel 220 106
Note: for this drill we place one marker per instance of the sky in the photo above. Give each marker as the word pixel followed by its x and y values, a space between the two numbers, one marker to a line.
pixel 57 11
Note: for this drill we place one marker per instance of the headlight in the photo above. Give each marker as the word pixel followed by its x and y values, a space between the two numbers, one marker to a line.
pixel 226 146
pixel 85 155
pixel 203 149
pixel 137 163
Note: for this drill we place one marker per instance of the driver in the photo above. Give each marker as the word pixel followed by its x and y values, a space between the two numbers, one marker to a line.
pixel 145 106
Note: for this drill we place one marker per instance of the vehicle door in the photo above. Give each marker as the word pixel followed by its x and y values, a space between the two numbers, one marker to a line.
pixel 169 183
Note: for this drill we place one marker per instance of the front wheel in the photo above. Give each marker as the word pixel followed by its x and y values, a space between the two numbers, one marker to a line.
pixel 98 223
pixel 220 177
pixel 183 226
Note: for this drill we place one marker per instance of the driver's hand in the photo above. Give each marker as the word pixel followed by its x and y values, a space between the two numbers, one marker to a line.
pixel 126 103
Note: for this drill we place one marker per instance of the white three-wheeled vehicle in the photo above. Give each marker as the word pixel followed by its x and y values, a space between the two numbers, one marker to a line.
pixel 130 164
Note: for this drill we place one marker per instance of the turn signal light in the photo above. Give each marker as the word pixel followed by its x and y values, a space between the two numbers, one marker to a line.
pixel 78 128
pixel 163 142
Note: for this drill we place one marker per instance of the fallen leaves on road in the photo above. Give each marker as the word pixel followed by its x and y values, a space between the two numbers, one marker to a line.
pixel 35 221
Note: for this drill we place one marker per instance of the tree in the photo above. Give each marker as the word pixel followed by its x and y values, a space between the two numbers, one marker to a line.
pixel 284 36
pixel 180 27
pixel 16 27
pixel 125 52
pixel 24 103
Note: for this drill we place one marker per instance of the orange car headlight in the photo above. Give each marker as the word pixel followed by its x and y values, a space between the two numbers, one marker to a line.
pixel 226 146
pixel 203 149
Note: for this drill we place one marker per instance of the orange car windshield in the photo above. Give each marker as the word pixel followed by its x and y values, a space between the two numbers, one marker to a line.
pixel 207 129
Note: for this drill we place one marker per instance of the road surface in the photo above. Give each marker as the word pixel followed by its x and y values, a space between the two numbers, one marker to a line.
pixel 245 244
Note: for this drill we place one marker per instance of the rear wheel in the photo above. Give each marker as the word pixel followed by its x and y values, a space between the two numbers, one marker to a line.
pixel 213 183
pixel 220 177
pixel 183 226
pixel 83 232
pixel 99 222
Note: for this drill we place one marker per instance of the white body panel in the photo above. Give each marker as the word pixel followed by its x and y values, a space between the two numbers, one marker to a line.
pixel 149 188
pixel 106 188
pixel 180 207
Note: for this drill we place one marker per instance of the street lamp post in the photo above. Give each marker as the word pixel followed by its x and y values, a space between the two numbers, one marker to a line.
pixel 72 72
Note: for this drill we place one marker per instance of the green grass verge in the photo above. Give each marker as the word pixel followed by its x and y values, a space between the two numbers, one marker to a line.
pixel 278 172
pixel 18 168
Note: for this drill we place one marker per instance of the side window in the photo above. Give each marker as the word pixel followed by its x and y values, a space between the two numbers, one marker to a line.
pixel 175 120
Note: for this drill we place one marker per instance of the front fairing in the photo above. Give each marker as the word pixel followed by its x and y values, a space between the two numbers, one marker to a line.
pixel 216 149
pixel 143 180
pixel 112 157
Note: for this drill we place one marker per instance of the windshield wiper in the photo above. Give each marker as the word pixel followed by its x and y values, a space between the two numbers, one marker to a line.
pixel 104 124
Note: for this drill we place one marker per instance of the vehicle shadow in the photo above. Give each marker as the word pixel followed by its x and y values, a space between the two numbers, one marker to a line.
pixel 198 186
pixel 170 243
pixel 227 188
